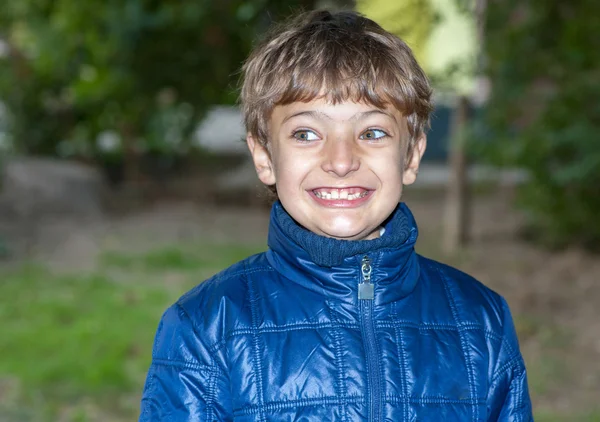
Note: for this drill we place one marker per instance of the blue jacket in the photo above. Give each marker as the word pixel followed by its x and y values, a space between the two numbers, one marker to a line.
pixel 319 329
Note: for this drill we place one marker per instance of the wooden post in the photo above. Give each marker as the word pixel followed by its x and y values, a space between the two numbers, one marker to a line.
pixel 457 216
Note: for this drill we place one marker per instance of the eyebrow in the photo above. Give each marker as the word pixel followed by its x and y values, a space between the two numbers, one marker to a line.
pixel 315 114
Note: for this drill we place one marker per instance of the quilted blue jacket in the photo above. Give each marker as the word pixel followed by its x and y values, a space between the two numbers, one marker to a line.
pixel 319 329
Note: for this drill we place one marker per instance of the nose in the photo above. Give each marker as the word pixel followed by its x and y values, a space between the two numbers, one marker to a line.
pixel 341 157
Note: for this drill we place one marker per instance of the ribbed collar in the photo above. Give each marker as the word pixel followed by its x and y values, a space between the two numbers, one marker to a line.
pixel 332 266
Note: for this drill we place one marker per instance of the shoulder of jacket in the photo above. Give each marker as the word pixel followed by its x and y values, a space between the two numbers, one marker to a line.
pixel 192 330
pixel 218 305
pixel 229 283
pixel 470 299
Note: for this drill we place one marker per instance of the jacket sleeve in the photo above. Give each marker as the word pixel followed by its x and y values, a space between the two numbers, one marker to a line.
pixel 184 382
pixel 508 397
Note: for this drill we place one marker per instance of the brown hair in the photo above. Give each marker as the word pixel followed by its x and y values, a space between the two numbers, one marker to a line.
pixel 344 55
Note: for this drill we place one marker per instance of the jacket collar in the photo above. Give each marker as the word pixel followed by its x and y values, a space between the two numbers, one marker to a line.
pixel 332 266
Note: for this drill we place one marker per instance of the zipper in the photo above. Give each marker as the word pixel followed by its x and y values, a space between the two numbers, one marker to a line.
pixel 366 289
pixel 366 294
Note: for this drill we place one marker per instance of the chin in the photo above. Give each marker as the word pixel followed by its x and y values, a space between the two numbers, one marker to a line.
pixel 345 228
pixel 347 234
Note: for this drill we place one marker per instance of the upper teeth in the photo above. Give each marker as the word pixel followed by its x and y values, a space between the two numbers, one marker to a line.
pixel 339 194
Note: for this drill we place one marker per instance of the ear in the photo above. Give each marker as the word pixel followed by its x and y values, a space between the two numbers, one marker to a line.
pixel 412 162
pixel 262 161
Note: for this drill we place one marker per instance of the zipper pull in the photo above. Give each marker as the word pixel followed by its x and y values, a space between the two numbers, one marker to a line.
pixel 366 289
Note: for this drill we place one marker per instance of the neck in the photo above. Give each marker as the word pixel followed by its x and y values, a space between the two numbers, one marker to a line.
pixel 329 252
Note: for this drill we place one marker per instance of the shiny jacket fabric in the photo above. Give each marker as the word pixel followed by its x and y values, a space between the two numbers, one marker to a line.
pixel 278 337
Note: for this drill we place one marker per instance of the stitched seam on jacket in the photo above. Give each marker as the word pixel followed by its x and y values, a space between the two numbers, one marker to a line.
pixel 518 404
pixel 213 369
pixel 277 406
pixel 225 277
pixel 463 343
pixel 244 272
pixel 516 364
pixel 512 363
pixel 402 360
pixel 380 324
pixel 181 364
pixel 339 363
pixel 256 347
pixel 511 350
pixel 433 400
pixel 210 402
pixel 465 326
pixel 521 384
pixel 279 329
pixel 149 389
pixel 518 374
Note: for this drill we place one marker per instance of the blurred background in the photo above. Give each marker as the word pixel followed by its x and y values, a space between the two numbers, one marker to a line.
pixel 125 180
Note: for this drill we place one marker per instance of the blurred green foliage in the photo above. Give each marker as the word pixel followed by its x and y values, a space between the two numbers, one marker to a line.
pixel 132 75
pixel 544 114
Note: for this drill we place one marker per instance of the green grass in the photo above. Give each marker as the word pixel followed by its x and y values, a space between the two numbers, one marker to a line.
pixel 77 347
pixel 70 337
pixel 581 417
pixel 184 259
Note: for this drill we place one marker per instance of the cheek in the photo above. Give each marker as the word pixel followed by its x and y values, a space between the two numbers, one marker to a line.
pixel 296 162
pixel 291 169
pixel 389 165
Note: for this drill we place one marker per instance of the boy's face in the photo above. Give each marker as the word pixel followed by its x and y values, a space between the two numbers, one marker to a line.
pixel 339 169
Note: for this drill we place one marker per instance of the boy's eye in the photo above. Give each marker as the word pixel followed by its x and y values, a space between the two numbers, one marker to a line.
pixel 373 134
pixel 305 135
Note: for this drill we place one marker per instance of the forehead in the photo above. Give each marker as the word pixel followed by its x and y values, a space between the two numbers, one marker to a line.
pixel 341 111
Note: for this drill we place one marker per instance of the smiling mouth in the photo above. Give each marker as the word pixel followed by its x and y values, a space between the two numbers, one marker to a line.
pixel 347 194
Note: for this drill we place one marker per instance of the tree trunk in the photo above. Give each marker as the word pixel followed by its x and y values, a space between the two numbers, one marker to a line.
pixel 457 215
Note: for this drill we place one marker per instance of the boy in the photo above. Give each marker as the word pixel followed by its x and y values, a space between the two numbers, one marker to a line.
pixel 340 320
